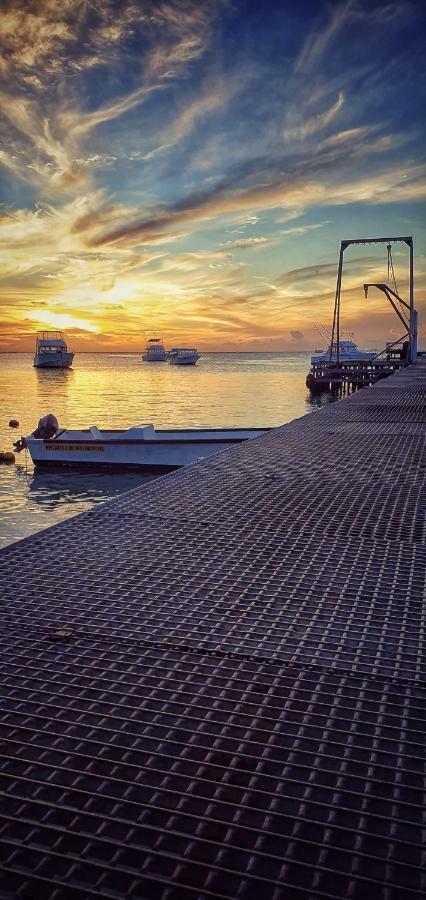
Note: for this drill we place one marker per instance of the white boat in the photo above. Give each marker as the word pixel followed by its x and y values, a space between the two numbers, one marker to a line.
pixel 183 356
pixel 51 351
pixel 141 446
pixel 154 351
pixel 348 352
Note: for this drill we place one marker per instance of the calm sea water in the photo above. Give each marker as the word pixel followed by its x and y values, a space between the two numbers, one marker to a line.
pixel 118 391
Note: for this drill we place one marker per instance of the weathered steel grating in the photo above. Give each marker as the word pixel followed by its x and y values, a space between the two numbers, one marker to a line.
pixel 218 699
pixel 221 775
pixel 239 592
pixel 365 509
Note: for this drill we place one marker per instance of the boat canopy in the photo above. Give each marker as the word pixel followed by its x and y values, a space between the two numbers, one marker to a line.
pixel 51 339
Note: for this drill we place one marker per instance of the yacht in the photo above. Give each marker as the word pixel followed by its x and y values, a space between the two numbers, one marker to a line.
pixel 183 356
pixel 51 351
pixel 348 352
pixel 154 351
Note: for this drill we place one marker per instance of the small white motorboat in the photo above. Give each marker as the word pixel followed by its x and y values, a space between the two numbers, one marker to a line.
pixel 154 351
pixel 51 351
pixel 142 446
pixel 183 356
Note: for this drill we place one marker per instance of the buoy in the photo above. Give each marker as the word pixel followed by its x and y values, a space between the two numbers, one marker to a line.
pixel 13 423
pixel 9 456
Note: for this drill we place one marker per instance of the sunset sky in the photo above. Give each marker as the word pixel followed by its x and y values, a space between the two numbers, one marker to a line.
pixel 190 167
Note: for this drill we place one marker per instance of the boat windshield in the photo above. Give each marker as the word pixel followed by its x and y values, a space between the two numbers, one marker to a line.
pixel 183 350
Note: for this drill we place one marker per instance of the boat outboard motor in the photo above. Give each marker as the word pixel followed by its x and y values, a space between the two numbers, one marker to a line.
pixel 46 429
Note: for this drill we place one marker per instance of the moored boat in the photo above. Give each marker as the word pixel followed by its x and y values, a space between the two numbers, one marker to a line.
pixel 341 356
pixel 183 356
pixel 51 351
pixel 141 447
pixel 346 351
pixel 154 351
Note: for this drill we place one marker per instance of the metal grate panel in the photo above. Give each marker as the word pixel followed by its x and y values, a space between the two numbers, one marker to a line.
pixel 223 776
pixel 214 686
pixel 236 591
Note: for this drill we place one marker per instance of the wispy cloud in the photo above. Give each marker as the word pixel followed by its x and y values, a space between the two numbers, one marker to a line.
pixel 41 44
pixel 315 123
pixel 249 243
pixel 320 38
pixel 301 186
pixel 303 229
pixel 215 96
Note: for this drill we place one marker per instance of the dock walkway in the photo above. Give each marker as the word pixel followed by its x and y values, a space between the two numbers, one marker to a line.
pixel 214 687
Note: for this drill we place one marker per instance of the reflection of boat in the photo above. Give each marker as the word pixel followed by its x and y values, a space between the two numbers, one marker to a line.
pixel 183 356
pixel 51 351
pixel 48 488
pixel 141 446
pixel 154 351
pixel 348 352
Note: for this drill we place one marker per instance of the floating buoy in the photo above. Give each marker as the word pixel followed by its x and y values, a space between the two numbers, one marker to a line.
pixel 13 423
pixel 8 456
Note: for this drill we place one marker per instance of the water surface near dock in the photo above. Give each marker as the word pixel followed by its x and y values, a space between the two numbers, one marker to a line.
pixel 119 390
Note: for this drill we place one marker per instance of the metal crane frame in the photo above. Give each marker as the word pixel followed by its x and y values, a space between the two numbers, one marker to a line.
pixel 412 330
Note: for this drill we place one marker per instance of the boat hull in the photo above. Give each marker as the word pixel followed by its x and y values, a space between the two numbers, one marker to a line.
pixel 163 452
pixel 55 361
pixel 183 362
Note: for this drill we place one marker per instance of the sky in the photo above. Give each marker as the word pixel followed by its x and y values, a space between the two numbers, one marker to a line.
pixel 189 168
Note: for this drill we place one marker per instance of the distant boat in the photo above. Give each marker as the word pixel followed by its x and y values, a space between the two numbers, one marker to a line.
pixel 154 351
pixel 141 446
pixel 183 356
pixel 51 351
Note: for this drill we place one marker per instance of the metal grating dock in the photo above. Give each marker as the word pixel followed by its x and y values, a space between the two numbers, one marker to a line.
pixel 223 696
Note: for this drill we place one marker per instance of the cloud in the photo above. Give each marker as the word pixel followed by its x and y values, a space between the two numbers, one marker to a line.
pixel 314 123
pixel 319 40
pixel 44 39
pixel 215 96
pixel 40 43
pixel 315 180
pixel 303 229
pixel 186 140
pixel 248 243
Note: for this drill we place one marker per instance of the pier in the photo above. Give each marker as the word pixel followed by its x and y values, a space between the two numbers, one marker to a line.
pixel 214 686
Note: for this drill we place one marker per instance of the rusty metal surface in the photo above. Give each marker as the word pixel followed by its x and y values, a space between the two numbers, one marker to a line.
pixel 223 695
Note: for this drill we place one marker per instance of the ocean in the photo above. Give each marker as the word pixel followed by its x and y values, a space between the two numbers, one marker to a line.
pixel 118 390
